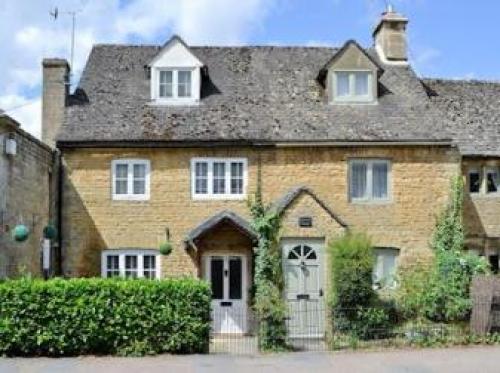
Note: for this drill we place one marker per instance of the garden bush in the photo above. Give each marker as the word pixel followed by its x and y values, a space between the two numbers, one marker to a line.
pixel 103 316
pixel 356 307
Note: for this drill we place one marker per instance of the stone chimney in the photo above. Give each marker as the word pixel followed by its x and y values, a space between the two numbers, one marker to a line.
pixel 390 37
pixel 54 97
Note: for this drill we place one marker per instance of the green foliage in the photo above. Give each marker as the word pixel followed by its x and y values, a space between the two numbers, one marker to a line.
pixel 269 304
pixel 166 248
pixel 449 231
pixel 355 305
pixel 441 292
pixel 103 316
pixel 352 263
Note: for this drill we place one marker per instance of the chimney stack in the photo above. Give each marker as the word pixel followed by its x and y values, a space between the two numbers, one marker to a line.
pixel 390 37
pixel 54 97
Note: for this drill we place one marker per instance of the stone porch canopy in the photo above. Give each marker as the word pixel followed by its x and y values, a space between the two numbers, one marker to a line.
pixel 223 217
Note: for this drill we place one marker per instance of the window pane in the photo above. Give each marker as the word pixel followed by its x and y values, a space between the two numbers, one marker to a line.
pixel 361 83
pixel 219 178
pixel 166 83
pixel 358 180
pixel 384 271
pixel 139 178
pixel 492 181
pixel 112 266
pixel 474 182
pixel 380 176
pixel 149 266
pixel 217 278
pixel 121 187
pixel 131 266
pixel 121 171
pixel 236 178
pixel 201 178
pixel 184 83
pixel 342 84
pixel 235 283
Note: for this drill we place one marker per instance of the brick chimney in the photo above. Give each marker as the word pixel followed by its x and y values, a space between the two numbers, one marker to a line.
pixel 390 37
pixel 54 97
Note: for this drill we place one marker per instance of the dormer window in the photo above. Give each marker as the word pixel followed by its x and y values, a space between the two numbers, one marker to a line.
pixel 353 86
pixel 175 84
pixel 175 75
pixel 351 76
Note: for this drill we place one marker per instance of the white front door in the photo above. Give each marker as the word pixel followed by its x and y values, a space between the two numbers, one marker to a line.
pixel 227 276
pixel 302 262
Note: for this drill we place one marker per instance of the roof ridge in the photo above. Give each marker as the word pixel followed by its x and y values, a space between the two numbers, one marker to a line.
pixel 459 81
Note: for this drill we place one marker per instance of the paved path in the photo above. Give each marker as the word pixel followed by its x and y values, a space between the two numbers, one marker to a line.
pixel 456 360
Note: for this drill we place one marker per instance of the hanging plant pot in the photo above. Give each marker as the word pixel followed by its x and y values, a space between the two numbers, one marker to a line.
pixel 49 232
pixel 166 248
pixel 20 233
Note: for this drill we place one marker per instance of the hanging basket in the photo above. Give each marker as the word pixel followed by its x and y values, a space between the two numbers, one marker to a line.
pixel 49 232
pixel 166 248
pixel 20 233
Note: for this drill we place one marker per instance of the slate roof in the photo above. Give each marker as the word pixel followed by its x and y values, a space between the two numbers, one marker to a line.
pixel 471 112
pixel 251 94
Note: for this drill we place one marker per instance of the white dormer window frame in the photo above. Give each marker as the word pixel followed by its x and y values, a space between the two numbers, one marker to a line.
pixel 177 85
pixel 175 57
pixel 352 96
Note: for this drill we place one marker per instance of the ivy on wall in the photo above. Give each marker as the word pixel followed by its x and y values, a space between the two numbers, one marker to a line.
pixel 269 303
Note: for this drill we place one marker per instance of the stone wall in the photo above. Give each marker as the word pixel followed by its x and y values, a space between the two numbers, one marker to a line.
pixel 26 185
pixel 92 221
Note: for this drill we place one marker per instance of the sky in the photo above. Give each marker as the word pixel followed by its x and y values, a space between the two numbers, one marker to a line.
pixel 454 39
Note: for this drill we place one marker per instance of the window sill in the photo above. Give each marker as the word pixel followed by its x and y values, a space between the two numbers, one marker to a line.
pixel 371 202
pixel 484 195
pixel 174 102
pixel 354 102
pixel 222 197
pixel 137 198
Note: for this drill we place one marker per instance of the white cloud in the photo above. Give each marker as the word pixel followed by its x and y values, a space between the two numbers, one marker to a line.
pixel 27 112
pixel 28 34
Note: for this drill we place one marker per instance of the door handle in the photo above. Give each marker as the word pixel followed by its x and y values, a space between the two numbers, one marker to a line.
pixel 320 292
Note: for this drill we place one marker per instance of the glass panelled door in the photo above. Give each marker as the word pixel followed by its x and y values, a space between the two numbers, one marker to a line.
pixel 227 276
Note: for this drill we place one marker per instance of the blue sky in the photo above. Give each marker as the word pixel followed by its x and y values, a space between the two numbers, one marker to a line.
pixel 449 39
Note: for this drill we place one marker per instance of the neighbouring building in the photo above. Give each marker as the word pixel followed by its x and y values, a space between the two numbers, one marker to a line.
pixel 28 174
pixel 170 142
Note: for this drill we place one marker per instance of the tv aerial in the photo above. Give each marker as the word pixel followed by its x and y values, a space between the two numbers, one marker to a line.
pixel 55 14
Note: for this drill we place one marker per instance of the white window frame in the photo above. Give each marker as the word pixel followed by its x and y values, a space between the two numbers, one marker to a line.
pixel 378 252
pixel 352 97
pixel 175 99
pixel 130 196
pixel 227 195
pixel 368 198
pixel 121 261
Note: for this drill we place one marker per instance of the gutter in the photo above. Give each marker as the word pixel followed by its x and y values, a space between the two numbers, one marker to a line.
pixel 247 143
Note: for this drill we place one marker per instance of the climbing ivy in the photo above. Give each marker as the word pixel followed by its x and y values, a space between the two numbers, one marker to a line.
pixel 269 304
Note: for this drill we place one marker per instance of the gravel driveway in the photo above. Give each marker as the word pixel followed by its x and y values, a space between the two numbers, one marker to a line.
pixel 456 360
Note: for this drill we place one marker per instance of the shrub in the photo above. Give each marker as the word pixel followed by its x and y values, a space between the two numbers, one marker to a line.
pixel 103 316
pixel 352 263
pixel 355 305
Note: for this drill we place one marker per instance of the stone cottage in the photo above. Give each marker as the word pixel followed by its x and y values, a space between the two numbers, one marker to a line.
pixel 169 142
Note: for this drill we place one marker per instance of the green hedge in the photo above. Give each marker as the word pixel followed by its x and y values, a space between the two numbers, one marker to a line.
pixel 103 316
